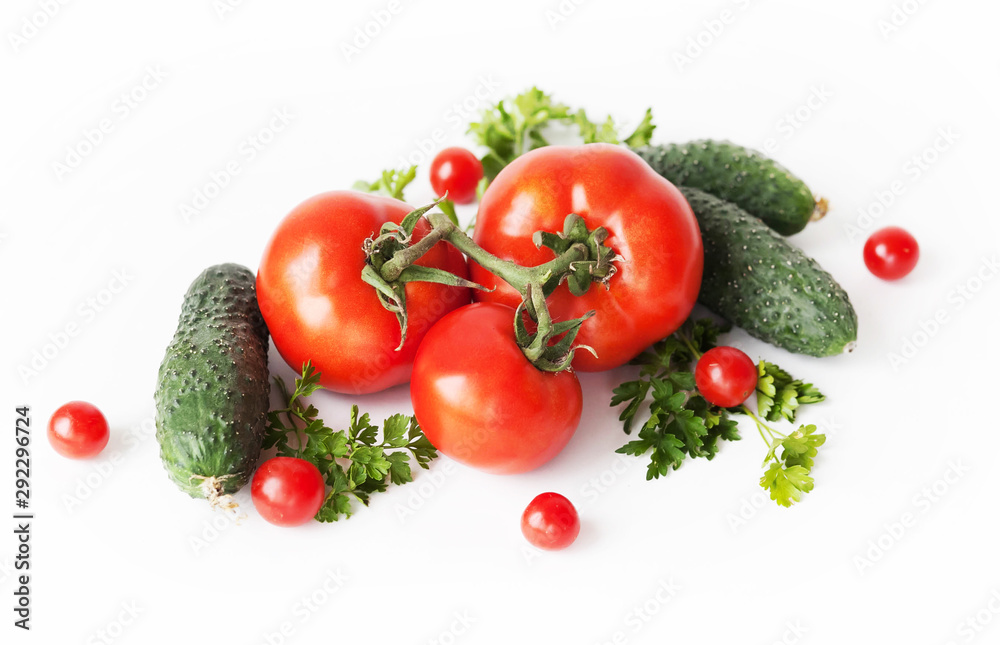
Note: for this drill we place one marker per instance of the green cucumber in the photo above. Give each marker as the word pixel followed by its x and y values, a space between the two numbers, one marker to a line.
pixel 212 395
pixel 759 185
pixel 758 281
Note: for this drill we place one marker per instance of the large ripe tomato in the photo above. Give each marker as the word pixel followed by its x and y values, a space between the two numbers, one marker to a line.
pixel 650 224
pixel 481 402
pixel 318 308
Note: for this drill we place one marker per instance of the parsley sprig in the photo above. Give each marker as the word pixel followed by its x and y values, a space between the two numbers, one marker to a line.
pixel 391 183
pixel 683 424
pixel 355 463
pixel 518 125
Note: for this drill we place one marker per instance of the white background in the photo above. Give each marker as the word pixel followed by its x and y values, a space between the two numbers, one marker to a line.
pixel 744 570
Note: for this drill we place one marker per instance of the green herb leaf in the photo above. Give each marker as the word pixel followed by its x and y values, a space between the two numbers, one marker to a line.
pixel 786 484
pixel 354 463
pixel 779 395
pixel 681 422
pixel 518 125
pixel 391 183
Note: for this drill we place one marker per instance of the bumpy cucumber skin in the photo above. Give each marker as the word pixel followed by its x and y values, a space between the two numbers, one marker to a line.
pixel 758 281
pixel 212 395
pixel 759 185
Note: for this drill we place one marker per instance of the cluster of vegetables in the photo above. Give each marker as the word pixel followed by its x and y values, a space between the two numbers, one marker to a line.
pixel 582 258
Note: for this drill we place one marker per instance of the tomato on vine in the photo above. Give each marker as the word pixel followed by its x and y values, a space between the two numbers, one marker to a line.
pixel 318 307
pixel 651 235
pixel 480 401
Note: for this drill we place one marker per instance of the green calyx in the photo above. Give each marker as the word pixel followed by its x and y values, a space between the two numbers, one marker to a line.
pixel 599 265
pixel 581 259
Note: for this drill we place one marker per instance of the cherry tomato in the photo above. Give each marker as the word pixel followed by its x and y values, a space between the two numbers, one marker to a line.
pixel 550 522
pixel 891 253
pixel 725 376
pixel 287 491
pixel 457 172
pixel 651 227
pixel 78 430
pixel 481 402
pixel 318 308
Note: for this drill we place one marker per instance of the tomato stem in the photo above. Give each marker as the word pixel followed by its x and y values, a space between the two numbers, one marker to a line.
pixel 387 271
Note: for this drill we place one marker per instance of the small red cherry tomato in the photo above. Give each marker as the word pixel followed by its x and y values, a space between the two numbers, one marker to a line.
pixel 78 430
pixel 287 491
pixel 725 376
pixel 891 253
pixel 550 522
pixel 457 172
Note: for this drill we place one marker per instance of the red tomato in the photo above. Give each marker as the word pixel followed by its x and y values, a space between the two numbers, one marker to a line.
pixel 457 172
pixel 318 308
pixel 78 430
pixel 650 224
pixel 550 522
pixel 725 376
pixel 481 402
pixel 891 253
pixel 287 491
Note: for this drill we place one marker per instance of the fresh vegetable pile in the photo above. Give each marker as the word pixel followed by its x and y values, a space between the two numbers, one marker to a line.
pixel 582 258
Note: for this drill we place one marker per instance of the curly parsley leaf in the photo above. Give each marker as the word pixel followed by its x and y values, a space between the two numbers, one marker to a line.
pixel 518 125
pixel 789 462
pixel 787 485
pixel 779 395
pixel 354 462
pixel 391 183
pixel 514 126
pixel 607 132
pixel 681 422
